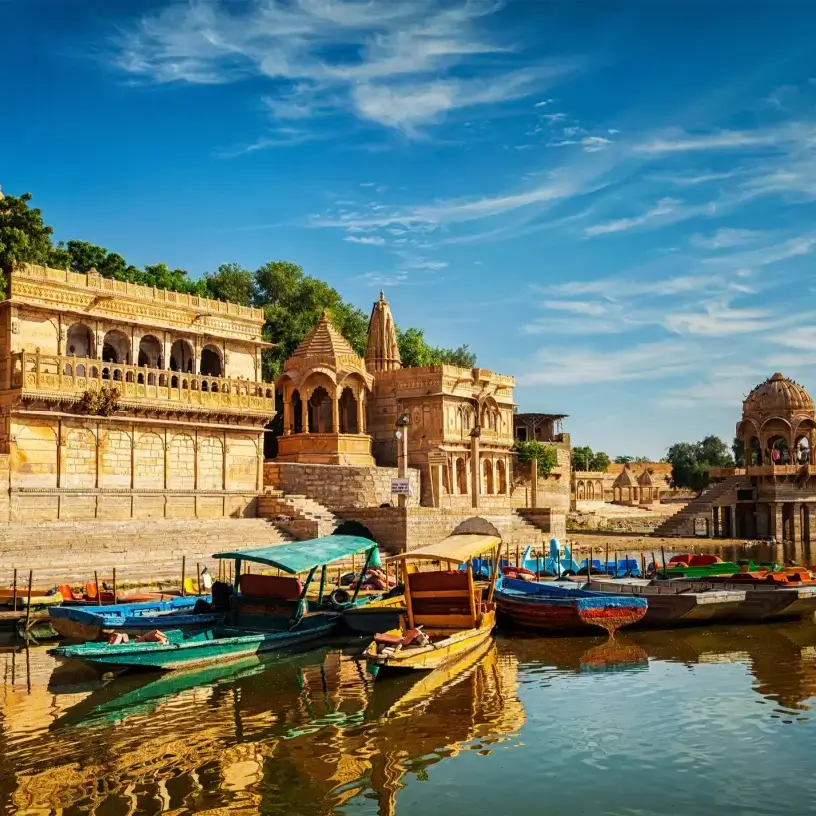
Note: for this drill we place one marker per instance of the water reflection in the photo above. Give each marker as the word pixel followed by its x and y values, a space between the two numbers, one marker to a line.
pixel 312 733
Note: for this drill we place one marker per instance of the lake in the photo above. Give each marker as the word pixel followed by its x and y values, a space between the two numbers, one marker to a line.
pixel 674 722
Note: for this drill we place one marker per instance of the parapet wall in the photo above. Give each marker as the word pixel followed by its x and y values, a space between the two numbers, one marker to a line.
pixel 339 486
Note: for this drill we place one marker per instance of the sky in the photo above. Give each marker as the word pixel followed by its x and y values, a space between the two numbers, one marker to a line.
pixel 612 201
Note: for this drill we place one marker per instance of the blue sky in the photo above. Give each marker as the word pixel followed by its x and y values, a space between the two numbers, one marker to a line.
pixel 612 201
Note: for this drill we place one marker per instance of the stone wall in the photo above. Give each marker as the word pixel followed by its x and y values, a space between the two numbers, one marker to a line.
pixel 139 550
pixel 339 486
pixel 79 468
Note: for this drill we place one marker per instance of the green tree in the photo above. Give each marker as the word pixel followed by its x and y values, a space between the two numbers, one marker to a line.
pixel 545 455
pixel 230 282
pixel 624 460
pixel 599 462
pixel 738 450
pixel 24 236
pixel 415 351
pixel 691 461
pixel 584 458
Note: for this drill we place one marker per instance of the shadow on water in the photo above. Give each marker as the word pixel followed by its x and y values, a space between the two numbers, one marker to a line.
pixel 314 734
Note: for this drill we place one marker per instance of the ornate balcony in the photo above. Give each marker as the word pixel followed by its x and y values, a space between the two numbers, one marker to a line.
pixel 56 378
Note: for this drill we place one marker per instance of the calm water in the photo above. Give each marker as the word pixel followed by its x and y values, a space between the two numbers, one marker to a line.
pixel 654 723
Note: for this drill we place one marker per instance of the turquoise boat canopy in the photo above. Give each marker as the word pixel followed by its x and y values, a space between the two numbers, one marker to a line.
pixel 302 556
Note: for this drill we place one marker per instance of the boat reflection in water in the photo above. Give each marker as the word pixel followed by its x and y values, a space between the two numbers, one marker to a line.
pixel 294 734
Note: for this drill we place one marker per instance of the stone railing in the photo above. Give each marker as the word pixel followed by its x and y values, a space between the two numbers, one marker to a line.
pixel 59 376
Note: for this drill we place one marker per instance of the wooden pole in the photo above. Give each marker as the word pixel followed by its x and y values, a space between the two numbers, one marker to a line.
pixel 654 561
pixel 98 593
pixel 183 573
pixel 28 605
pixel 663 556
pixel 518 561
pixel 538 567
pixel 606 560
pixel 14 592
pixel 643 564
pixel 115 599
pixel 615 559
pixel 198 574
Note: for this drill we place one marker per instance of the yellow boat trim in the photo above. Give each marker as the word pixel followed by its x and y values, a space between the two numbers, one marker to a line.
pixel 456 549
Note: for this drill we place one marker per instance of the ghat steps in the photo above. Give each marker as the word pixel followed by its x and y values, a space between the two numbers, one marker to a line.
pixel 682 522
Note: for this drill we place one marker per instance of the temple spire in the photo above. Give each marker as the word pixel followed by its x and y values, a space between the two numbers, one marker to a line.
pixel 382 351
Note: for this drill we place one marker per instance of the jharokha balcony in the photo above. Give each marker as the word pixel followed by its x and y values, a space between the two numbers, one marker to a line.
pixel 57 378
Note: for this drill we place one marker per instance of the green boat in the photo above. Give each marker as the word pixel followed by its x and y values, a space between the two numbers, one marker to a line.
pixel 692 567
pixel 262 613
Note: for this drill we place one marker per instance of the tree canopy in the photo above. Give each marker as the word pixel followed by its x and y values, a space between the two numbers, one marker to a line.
pixel 291 301
pixel 584 458
pixel 691 461
pixel 545 455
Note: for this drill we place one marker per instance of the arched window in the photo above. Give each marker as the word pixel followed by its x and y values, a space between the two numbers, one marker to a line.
pixel 501 473
pixel 211 362
pixel 150 352
pixel 214 388
pixel 162 381
pixel 320 411
pixel 80 370
pixel 181 357
pixel 297 413
pixel 461 476
pixel 116 347
pixel 151 379
pixel 174 382
pixel 68 370
pixel 348 412
pixel 129 377
pixel 79 342
pixel 487 466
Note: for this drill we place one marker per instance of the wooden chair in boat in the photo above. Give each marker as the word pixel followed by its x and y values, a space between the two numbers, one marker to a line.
pixel 264 596
pixel 442 600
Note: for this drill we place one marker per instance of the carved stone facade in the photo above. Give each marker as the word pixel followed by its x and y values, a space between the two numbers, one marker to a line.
pixel 191 404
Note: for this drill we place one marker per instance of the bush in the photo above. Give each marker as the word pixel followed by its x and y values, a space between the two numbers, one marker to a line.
pixel 99 403
pixel 544 454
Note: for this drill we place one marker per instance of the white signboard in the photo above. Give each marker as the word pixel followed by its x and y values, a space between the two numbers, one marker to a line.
pixel 401 487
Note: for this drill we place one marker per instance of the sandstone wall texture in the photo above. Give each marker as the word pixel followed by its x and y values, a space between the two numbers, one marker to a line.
pixel 339 486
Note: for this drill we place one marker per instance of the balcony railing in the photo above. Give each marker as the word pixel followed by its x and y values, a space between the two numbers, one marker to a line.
pixel 70 377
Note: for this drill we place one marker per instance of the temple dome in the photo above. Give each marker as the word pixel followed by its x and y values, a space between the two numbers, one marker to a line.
pixel 778 396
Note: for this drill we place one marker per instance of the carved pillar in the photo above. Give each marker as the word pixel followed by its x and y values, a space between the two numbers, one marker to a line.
pixel 775 525
pixel 62 336
pixel 166 346
pixel 60 453
pixel 335 419
pixel 304 410
pixel 288 420
pixel 475 469
pixel 259 478
pixel 361 412
pixel 796 523
pixel 715 513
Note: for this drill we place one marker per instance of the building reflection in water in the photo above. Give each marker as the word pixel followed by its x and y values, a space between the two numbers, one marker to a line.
pixel 311 733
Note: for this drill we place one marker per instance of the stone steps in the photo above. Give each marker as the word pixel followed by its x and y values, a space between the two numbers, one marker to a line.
pixel 681 524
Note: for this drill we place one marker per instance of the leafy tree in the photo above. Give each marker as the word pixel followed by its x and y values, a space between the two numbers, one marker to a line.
pixel 414 351
pixel 230 282
pixel 584 458
pixel 545 455
pixel 738 450
pixel 624 460
pixel 691 461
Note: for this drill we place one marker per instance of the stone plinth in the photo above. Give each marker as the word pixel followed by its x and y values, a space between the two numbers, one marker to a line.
pixel 326 449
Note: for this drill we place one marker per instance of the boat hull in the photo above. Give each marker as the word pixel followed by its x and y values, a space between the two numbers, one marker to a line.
pixel 373 617
pixel 192 652
pixel 428 658
pixel 557 610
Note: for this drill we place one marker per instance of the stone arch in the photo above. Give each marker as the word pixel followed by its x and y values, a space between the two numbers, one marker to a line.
pixel 80 462
pixel 579 494
pixel 461 476
pixel 210 463
pixel 297 412
pixel 34 453
pixel 80 341
pixel 150 352
pixel 211 361
pixel 501 476
pixel 347 411
pixel 242 462
pixel 148 456
pixel 116 347
pixel 181 453
pixel 487 468
pixel 803 441
pixel 476 525
pixel 181 356
pixel 354 528
pixel 320 411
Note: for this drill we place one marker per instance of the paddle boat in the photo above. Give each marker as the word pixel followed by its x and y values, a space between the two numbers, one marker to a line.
pixel 84 623
pixel 704 565
pixel 262 613
pixel 447 612
pixel 544 607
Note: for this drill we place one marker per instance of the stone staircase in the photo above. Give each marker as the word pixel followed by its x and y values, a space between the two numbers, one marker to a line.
pixel 681 524
pixel 298 515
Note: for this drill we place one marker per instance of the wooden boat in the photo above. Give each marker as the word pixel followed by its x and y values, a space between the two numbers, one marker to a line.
pixel 105 597
pixel 765 600
pixel 84 623
pixel 263 613
pixel 39 597
pixel 673 603
pixel 447 613
pixel 379 615
pixel 688 565
pixel 555 609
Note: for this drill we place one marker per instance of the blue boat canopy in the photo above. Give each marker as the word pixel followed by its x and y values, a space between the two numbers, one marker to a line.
pixel 302 556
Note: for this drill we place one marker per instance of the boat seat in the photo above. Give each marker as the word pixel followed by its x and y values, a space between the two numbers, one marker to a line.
pixel 442 598
pixel 388 640
pixel 685 558
pixel 280 587
pixel 705 560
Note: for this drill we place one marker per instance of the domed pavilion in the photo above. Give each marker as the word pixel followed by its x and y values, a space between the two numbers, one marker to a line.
pixel 778 424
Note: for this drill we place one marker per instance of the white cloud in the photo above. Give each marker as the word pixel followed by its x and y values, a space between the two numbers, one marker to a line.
pixel 722 140
pixel 395 64
pixel 664 207
pixel 370 240
pixel 581 307
pixel 725 238
pixel 720 319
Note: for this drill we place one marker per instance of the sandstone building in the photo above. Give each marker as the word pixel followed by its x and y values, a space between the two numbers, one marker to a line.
pixel 186 440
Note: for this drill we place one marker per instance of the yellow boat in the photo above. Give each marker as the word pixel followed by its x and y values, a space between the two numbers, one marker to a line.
pixel 447 613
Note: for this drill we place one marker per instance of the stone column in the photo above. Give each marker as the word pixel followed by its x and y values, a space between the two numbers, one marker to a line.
pixel 304 411
pixel 775 526
pixel 715 513
pixel 361 413
pixel 475 469
pixel 335 428
pixel 287 413
pixel 796 524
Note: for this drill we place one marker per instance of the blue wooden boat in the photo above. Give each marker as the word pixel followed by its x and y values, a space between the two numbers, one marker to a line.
pixel 83 623
pixel 555 609
pixel 262 613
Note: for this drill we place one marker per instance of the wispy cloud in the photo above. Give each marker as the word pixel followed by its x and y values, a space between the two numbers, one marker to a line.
pixel 400 65
pixel 666 208
pixel 725 238
pixel 370 240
